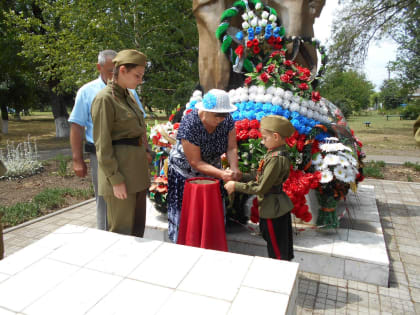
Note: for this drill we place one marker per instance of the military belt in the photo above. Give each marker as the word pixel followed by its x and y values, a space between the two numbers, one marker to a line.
pixel 128 141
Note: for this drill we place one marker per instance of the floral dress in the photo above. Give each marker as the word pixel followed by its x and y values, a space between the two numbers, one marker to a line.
pixel 212 146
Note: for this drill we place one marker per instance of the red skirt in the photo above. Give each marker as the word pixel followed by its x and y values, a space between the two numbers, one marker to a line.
pixel 202 219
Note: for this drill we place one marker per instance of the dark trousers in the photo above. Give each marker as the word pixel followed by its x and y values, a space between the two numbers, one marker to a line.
pixel 278 234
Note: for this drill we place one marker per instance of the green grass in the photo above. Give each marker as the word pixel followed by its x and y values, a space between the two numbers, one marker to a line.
pixel 374 169
pixel 385 137
pixel 48 199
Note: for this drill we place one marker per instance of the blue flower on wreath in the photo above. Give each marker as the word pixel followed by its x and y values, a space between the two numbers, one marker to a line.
pixel 239 35
pixel 209 101
pixel 235 115
pixel 258 30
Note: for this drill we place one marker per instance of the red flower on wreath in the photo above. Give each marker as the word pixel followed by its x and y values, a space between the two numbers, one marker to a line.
pixel 288 63
pixel 188 111
pixel 285 78
pixel 176 126
pixel 239 51
pixel 316 96
pixel 259 67
pixel 254 124
pixel 249 44
pixel 275 53
pixel 256 50
pixel 303 86
pixel 171 117
pixel 248 80
pixel 264 77
pixel 255 42
pixel 242 135
pixel 271 40
pixel 253 134
pixel 271 68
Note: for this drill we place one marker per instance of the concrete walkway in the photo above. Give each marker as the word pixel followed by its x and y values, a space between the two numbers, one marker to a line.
pixel 399 209
pixel 393 159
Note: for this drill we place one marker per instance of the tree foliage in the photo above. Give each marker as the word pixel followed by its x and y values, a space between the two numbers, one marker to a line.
pixel 361 22
pixel 63 38
pixel 349 90
pixel 392 94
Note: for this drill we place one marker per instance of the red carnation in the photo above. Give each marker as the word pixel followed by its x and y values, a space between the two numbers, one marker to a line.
pixel 304 78
pixel 278 40
pixel 316 96
pixel 285 78
pixel 171 117
pixel 254 124
pixel 288 63
pixel 238 126
pixel 248 80
pixel 271 68
pixel 249 44
pixel 278 46
pixel 243 135
pixel 300 145
pixel 256 50
pixel 253 134
pixel 275 53
pixel 290 73
pixel 176 126
pixel 258 67
pixel 303 86
pixel 188 111
pixel 239 50
pixel 264 77
pixel 271 40
pixel 255 42
pixel 245 124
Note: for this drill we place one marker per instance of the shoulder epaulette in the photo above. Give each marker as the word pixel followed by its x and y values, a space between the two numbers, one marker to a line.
pixel 280 153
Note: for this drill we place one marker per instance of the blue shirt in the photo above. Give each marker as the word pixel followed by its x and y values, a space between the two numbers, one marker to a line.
pixel 84 98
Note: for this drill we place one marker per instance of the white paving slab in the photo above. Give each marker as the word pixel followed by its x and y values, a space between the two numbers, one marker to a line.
pixel 117 274
pixel 340 253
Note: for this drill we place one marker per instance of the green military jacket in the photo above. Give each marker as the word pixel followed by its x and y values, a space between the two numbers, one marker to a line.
pixel 115 116
pixel 416 129
pixel 272 173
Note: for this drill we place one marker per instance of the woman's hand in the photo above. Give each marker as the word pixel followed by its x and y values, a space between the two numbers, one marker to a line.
pixel 237 175
pixel 227 175
pixel 230 187
pixel 120 191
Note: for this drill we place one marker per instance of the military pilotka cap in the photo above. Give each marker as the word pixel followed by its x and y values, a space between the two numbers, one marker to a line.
pixel 129 56
pixel 277 124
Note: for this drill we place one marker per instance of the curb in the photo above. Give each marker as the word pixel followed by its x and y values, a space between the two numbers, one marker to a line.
pixel 48 216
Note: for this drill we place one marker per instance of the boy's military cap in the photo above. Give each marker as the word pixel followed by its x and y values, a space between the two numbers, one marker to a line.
pixel 129 56
pixel 277 124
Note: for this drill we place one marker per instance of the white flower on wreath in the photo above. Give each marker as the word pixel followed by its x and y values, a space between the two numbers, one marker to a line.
pixel 349 158
pixel 326 176
pixel 340 173
pixel 343 161
pixel 331 159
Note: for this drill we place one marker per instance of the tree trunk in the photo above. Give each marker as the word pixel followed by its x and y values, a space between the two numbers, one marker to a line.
pixel 62 127
pixel 5 119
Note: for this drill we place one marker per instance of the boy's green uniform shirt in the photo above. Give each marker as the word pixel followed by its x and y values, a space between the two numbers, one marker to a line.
pixel 274 172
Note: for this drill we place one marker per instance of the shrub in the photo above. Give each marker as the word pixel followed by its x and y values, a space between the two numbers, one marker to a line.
pixel 374 169
pixel 21 160
pixel 411 111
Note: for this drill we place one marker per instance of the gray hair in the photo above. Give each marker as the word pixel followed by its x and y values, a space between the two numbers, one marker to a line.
pixel 106 54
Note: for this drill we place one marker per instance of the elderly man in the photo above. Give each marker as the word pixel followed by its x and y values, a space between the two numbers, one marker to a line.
pixel 81 120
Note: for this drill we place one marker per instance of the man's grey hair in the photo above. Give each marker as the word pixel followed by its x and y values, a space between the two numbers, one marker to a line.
pixel 106 54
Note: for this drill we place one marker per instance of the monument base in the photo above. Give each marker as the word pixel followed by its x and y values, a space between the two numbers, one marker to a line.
pixel 355 251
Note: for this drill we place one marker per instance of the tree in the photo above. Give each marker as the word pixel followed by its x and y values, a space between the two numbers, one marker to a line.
pixel 64 37
pixel 392 94
pixel 349 90
pixel 361 22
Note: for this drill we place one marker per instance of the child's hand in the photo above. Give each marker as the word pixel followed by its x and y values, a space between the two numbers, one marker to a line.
pixel 230 187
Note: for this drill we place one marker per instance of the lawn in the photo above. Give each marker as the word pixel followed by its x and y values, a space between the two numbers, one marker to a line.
pixel 385 137
pixel 41 126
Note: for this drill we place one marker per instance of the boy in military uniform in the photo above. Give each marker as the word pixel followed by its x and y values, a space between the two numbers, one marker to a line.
pixel 274 205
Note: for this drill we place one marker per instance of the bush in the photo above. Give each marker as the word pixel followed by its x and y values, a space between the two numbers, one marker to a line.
pixel 374 169
pixel 411 111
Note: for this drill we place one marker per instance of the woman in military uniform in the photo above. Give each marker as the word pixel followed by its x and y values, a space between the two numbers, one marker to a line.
pixel 119 133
